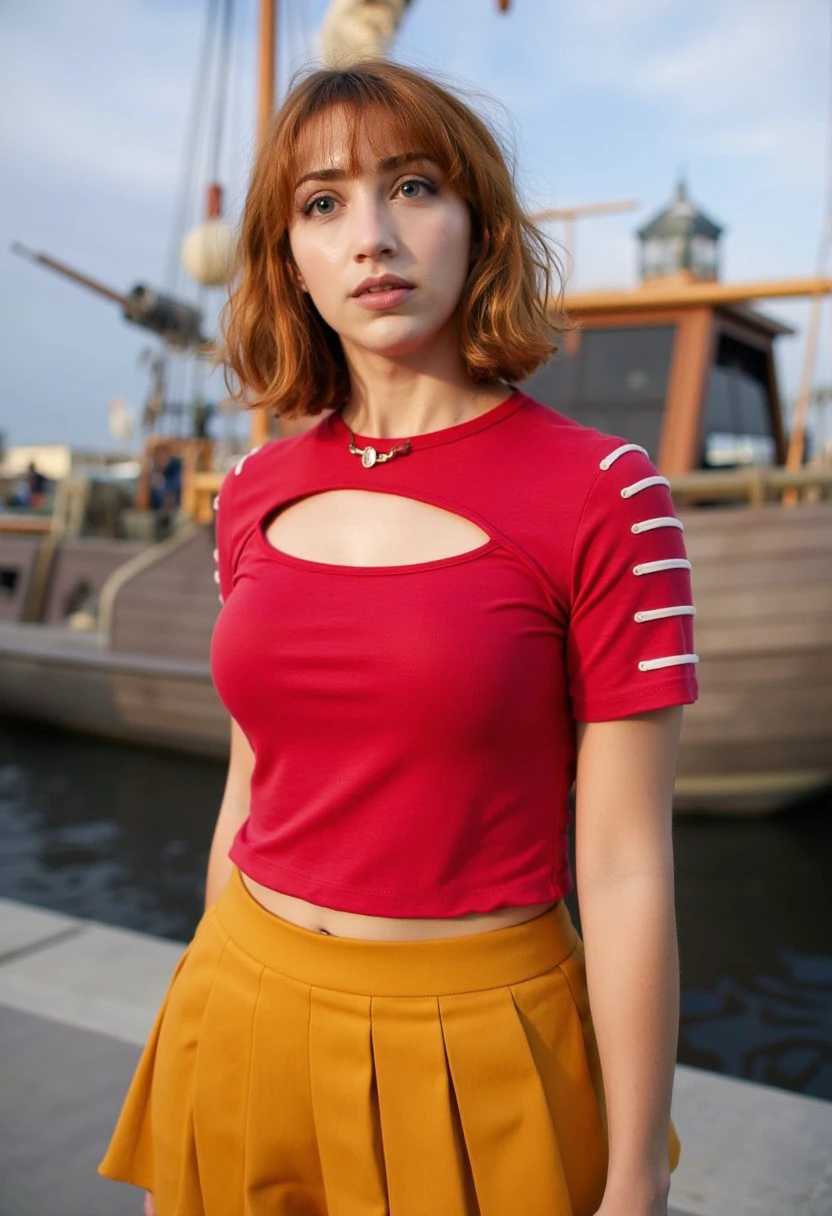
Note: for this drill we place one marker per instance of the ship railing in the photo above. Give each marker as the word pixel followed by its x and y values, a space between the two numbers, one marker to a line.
pixel 202 488
pixel 752 486
pixel 755 486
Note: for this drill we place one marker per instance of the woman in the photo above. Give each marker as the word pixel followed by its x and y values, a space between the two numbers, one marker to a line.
pixel 441 603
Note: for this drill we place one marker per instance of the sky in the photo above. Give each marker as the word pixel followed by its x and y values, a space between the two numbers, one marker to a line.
pixel 602 99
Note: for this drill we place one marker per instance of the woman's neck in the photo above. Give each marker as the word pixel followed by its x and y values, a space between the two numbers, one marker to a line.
pixel 422 404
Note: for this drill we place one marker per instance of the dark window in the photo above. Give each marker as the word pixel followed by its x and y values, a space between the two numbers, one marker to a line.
pixel 616 381
pixel 9 577
pixel 738 414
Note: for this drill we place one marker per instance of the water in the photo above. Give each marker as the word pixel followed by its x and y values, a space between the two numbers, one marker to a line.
pixel 121 835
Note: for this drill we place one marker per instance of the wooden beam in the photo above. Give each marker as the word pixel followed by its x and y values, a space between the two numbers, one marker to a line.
pixel 686 385
pixel 690 295
pixel 261 421
pixel 583 210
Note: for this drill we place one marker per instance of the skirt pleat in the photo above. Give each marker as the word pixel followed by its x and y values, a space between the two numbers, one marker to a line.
pixel 553 1032
pixel 177 1176
pixel 294 1074
pixel 283 1169
pixel 345 1104
pixel 222 1073
pixel 424 1154
pixel 509 1137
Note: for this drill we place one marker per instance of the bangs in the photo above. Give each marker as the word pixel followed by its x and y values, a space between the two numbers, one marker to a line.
pixel 387 124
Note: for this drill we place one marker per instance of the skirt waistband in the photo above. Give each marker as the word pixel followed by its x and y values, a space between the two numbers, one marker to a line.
pixel 436 967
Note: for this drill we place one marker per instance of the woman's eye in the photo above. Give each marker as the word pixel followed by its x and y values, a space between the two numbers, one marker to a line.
pixel 314 207
pixel 406 187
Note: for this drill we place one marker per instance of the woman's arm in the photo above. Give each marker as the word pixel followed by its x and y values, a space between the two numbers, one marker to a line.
pixel 624 849
pixel 233 812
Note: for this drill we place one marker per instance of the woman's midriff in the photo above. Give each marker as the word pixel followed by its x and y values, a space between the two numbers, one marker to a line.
pixel 334 923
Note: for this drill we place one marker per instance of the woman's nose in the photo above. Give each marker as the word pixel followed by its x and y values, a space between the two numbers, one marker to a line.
pixel 374 235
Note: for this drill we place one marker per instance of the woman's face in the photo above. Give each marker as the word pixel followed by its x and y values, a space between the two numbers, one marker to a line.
pixel 395 218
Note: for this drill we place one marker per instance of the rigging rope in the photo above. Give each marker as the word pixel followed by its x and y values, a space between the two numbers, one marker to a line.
pixel 797 440
pixel 206 122
pixel 237 162
pixel 222 87
pixel 191 143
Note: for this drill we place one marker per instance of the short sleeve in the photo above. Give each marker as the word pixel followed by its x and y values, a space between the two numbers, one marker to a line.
pixel 224 533
pixel 630 638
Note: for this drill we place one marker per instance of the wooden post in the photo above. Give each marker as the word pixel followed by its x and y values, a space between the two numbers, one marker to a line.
pixel 261 422
pixel 686 386
pixel 797 439
pixel 268 37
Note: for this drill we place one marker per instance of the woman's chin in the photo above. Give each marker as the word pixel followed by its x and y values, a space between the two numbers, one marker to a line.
pixel 394 341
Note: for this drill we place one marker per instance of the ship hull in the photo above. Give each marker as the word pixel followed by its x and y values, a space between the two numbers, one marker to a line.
pixel 760 736
pixel 759 739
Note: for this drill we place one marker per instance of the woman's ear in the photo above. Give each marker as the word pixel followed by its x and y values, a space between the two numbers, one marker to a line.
pixel 296 274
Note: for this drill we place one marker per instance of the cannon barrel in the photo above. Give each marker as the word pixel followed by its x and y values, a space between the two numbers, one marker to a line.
pixel 176 321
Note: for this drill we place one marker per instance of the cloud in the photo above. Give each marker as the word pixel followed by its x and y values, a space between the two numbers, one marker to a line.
pixel 733 79
pixel 99 91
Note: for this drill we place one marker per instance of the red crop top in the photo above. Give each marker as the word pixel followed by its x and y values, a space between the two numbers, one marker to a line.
pixel 414 726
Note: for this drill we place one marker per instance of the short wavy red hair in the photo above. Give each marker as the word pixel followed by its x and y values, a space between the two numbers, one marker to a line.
pixel 279 353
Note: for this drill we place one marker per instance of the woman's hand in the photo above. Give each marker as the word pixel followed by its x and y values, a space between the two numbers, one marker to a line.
pixel 631 1206
pixel 627 1209
pixel 640 1194
pixel 149 1205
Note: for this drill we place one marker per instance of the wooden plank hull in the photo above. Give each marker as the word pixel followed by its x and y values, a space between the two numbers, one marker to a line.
pixel 759 739
pixel 71 569
pixel 18 559
pixel 760 736
pixel 69 680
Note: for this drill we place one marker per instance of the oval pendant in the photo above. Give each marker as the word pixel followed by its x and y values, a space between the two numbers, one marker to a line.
pixel 368 457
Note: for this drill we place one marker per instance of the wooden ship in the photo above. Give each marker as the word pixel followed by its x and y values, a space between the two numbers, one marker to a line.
pixel 683 365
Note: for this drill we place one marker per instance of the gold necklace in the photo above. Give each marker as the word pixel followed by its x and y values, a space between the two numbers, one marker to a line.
pixel 370 455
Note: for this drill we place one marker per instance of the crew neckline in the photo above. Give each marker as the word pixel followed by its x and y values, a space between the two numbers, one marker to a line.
pixel 432 439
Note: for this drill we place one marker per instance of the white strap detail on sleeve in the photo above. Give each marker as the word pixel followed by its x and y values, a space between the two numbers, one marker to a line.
pixel 644 484
pixel 610 460
pixel 658 614
pixel 661 521
pixel 216 577
pixel 667 563
pixel 221 600
pixel 216 503
pixel 238 468
pixel 670 660
pixel 216 555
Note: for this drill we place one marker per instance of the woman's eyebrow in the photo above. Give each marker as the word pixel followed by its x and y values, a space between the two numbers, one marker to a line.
pixel 337 173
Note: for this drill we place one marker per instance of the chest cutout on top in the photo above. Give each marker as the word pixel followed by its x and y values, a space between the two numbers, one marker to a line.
pixel 370 528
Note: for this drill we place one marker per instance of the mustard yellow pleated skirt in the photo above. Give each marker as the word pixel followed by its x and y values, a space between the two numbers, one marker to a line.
pixel 294 1074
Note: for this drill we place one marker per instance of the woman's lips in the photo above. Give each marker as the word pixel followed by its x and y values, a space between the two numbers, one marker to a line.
pixel 388 297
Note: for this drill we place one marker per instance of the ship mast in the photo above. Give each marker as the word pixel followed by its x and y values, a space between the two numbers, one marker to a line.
pixel 268 43
pixel 260 419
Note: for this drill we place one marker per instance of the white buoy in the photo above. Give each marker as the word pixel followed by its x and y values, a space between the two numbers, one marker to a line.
pixel 208 252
